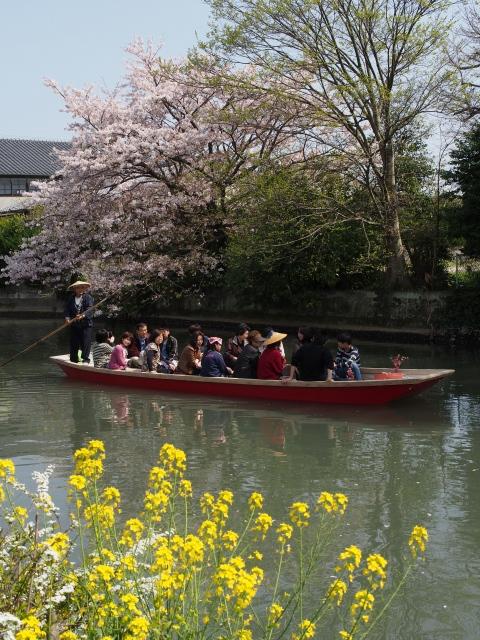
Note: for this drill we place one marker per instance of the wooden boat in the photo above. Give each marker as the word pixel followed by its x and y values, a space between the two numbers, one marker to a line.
pixel 368 391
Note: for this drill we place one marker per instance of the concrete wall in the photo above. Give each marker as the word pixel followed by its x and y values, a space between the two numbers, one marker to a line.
pixel 408 311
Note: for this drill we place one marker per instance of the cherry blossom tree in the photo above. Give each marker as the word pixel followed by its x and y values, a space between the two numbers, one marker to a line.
pixel 139 204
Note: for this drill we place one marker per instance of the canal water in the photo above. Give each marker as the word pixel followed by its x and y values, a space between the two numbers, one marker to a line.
pixel 409 463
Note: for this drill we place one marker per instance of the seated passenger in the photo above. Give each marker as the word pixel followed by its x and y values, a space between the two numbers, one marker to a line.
pixel 267 333
pixel 190 361
pixel 213 364
pixel 247 362
pixel 313 361
pixel 300 339
pixel 271 362
pixel 102 349
pixel 152 357
pixel 118 359
pixel 347 360
pixel 195 328
pixel 138 346
pixel 169 349
pixel 236 344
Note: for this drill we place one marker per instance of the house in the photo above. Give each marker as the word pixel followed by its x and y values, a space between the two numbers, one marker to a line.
pixel 22 162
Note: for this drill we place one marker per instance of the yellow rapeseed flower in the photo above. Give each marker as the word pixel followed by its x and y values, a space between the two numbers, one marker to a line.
pixel 156 476
pixel 333 502
pixel 102 514
pixel 206 502
pixel 132 532
pixel 226 496
pixel 31 629
pixel 350 559
pixel 376 571
pixel 208 533
pixel 230 540
pixel 255 501
pixel 306 629
pixel 130 601
pixel 342 502
pixel 336 591
pixel 21 514
pixel 59 542
pixel 111 495
pixel 417 540
pixel 77 482
pixel 185 489
pixel 220 513
pixel 173 459
pixel 327 501
pixel 275 613
pixel 345 635
pixel 363 601
pixel 300 514
pixel 7 468
pixel 262 524
pixel 68 635
pixel 284 532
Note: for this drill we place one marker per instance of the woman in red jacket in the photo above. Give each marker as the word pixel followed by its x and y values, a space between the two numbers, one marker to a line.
pixel 271 362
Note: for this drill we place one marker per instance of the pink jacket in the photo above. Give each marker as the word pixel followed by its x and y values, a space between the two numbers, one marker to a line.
pixel 118 359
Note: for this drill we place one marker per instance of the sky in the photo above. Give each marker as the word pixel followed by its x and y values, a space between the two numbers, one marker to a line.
pixel 79 44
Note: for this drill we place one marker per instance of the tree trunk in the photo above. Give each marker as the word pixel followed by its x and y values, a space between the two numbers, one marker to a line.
pixel 397 274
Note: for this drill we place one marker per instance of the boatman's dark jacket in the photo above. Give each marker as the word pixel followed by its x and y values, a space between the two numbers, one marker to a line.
pixel 71 310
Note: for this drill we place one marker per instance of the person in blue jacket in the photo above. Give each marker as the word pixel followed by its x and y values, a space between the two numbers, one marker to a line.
pixel 213 364
pixel 77 313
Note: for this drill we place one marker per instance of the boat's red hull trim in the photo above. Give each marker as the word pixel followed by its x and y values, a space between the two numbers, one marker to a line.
pixel 353 393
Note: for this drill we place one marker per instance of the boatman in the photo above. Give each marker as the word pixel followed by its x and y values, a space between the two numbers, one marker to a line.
pixel 77 313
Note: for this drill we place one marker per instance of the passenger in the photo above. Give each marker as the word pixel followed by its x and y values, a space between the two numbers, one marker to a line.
pixel 236 344
pixel 138 345
pixel 266 333
pixel 190 361
pixel 347 360
pixel 271 362
pixel 213 364
pixel 300 340
pixel 169 349
pixel 313 361
pixel 102 349
pixel 152 358
pixel 196 328
pixel 247 362
pixel 118 359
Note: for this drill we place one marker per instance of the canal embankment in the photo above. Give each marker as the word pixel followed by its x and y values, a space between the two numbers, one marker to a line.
pixel 441 317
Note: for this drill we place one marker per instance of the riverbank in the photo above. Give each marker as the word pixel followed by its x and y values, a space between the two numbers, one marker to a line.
pixel 448 317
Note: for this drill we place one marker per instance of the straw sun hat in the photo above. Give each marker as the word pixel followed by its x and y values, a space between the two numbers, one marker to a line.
pixel 275 337
pixel 79 283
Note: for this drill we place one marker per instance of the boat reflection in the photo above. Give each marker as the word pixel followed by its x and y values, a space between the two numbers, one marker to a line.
pixel 215 422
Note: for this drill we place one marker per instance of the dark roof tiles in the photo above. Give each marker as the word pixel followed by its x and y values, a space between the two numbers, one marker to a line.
pixel 29 157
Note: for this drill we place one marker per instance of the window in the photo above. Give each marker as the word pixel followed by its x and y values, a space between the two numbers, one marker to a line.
pixel 18 185
pixel 5 187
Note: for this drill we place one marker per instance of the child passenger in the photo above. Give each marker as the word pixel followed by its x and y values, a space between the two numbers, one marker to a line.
pixel 347 361
pixel 102 348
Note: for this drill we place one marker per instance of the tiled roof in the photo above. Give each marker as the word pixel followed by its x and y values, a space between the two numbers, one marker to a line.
pixel 29 157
